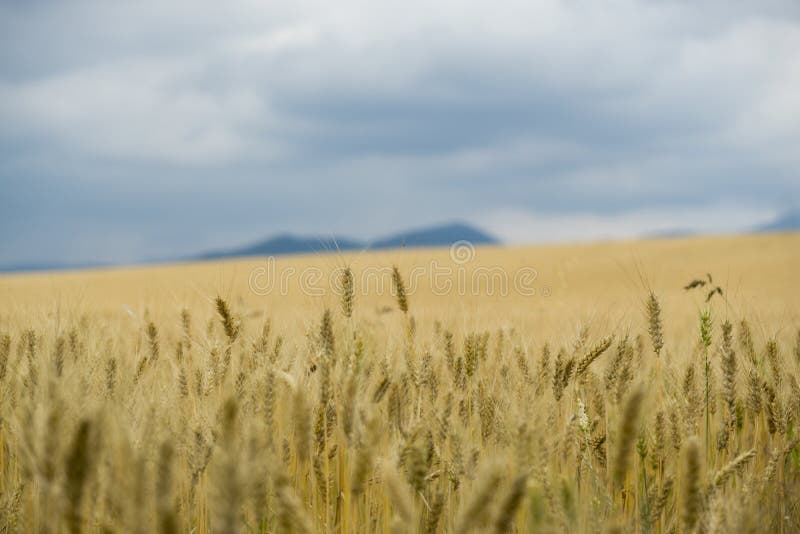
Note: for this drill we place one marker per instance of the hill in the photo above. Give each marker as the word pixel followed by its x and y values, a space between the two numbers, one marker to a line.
pixel 430 236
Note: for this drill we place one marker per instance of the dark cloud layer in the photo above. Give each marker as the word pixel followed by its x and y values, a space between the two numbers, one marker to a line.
pixel 156 129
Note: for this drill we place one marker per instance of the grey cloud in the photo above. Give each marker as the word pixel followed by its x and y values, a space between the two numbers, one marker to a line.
pixel 134 132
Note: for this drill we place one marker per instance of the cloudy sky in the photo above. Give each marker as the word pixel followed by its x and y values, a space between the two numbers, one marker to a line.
pixel 132 130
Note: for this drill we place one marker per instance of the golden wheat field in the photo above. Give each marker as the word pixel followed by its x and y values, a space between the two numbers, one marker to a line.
pixel 569 388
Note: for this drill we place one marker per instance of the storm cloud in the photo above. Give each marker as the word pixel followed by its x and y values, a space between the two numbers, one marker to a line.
pixel 150 129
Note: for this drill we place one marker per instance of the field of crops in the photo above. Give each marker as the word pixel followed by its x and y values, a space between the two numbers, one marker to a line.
pixel 570 388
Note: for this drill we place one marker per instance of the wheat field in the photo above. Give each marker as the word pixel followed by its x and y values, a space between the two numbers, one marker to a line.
pixel 600 397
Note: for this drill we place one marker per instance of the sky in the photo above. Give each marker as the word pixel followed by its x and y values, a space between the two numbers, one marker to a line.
pixel 150 129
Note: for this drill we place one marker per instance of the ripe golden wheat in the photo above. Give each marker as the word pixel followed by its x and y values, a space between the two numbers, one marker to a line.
pixel 221 417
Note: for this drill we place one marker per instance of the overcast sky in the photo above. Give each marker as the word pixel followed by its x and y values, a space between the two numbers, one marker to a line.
pixel 132 130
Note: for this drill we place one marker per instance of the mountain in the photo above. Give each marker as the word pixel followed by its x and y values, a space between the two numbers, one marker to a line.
pixel 436 236
pixel 786 222
pixel 285 244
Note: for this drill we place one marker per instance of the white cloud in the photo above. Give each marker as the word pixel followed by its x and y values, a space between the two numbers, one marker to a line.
pixel 284 40
pixel 515 226
pixel 146 109
pixel 189 82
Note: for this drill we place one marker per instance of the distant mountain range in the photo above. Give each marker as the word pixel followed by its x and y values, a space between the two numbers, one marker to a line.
pixel 433 236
